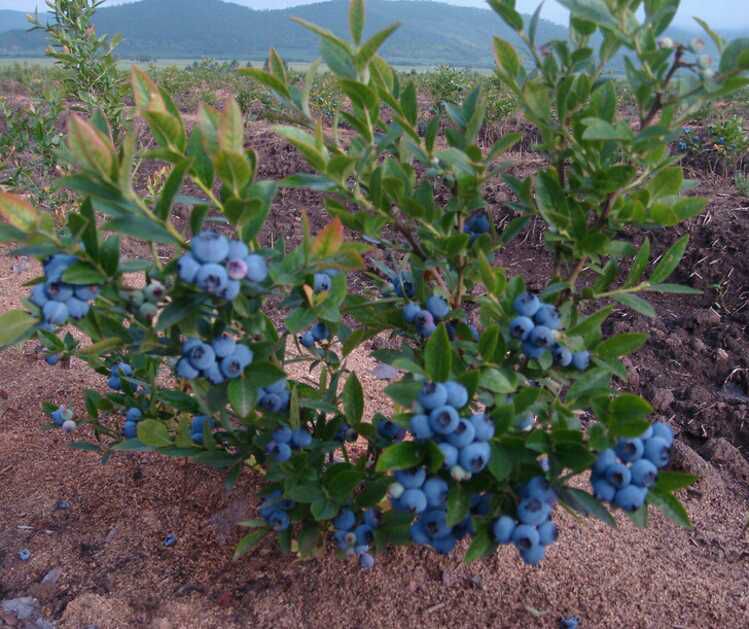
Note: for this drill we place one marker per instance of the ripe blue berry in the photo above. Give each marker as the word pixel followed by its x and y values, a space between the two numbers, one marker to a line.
pixel 201 356
pixel 521 327
pixel 77 308
pixel 539 487
pixel 55 312
pixel 86 293
pixel 24 554
pixel 463 434
pixel 280 452
pixel 300 438
pixel 533 511
pixel 321 283
pixel 307 340
pixel 372 517
pixel 603 490
pixel 444 420
pixel 53 359
pixel 345 520
pixel 604 460
pixel 450 454
pixel 433 395
pixel 244 356
pixel 366 561
pixel 320 332
pixel 663 431
pixel 58 291
pixel 411 479
pixel 525 537
pixel 187 268
pixel 644 473
pixel 434 523
pixel 541 336
pixel 631 498
pixel 548 533
pixel 170 540
pixel 237 250
pixel 223 346
pixel 231 291
pixel 548 316
pixel 410 312
pixel 364 535
pixel 420 427
pixel 658 451
pixel 526 304
pixel 279 521
pixel 533 351
pixel 435 489
pixel 210 247
pixel 503 528
pixel 130 430
pixel 134 415
pixel 457 394
pixel 572 622
pixel 618 475
pixel 629 450
pixel 212 278
pixel 483 426
pixel 475 457
pixel 414 500
pixel 581 360
pixel 38 295
pixel 419 534
pixel 257 268
pixel 282 435
pixel 534 555
pixel 214 375
pixel 438 307
pixel 444 545
pixel 562 356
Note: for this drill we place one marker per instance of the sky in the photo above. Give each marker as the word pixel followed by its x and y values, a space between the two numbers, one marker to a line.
pixel 718 13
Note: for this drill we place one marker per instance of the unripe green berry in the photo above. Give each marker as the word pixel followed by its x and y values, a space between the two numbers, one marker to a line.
pixel 148 310
pixel 396 490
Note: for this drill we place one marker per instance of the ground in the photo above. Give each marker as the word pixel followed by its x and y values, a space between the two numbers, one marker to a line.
pixel 114 571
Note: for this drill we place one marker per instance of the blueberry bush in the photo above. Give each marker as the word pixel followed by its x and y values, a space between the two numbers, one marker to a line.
pixel 505 395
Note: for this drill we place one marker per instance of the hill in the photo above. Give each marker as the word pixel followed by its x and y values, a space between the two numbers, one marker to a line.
pixel 15 20
pixel 431 32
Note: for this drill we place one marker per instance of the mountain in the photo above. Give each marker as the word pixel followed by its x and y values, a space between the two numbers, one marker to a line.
pixel 15 20
pixel 431 32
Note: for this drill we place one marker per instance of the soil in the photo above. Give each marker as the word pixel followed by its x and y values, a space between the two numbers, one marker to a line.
pixel 116 572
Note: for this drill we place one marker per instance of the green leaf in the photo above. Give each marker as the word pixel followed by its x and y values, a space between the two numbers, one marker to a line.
pixel 372 45
pixel 81 273
pixel 356 19
pixel 511 17
pixel 242 396
pixel 594 11
pixel 621 345
pixel 263 374
pixel 638 304
pixel 458 504
pixel 629 414
pixel 736 56
pixel 249 541
pixel 400 456
pixel 586 504
pixel 670 260
pixel 669 482
pixel 717 39
pixel 507 58
pixel 674 289
pixel 154 433
pixel 323 509
pixel 500 464
pixel 308 538
pixel 341 479
pixel 438 355
pixel 639 264
pixel 670 506
pixel 404 393
pixel 498 381
pixel 14 325
pixel 481 546
pixel 598 129
pixel 353 399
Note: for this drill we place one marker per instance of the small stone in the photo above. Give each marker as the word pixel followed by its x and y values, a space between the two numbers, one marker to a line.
pixel 53 576
pixel 663 399
pixel 22 608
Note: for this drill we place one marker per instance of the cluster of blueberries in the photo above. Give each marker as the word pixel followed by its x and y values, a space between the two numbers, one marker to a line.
pixel 132 418
pixel 224 359
pixel 197 425
pixel 63 418
pixel 319 332
pixel 274 510
pixel 274 398
pixel 57 300
pixel 537 326
pixel 476 225
pixel 116 373
pixel 622 476
pixel 284 440
pixel 464 442
pixel 403 284
pixel 390 431
pixel 426 319
pixel 217 265
pixel 533 530
pixel 355 539
pixel 346 433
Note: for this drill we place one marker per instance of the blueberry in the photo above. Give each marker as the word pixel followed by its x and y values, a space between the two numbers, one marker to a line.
pixel 618 475
pixel 411 479
pixel 279 521
pixel 539 487
pixel 435 489
pixel 134 415
pixel 581 360
pixel 444 420
pixel 212 278
pixel 345 520
pixel 427 329
pixel 53 359
pixel 282 434
pixel 526 304
pixel 629 450
pixel 130 430
pixel 438 307
pixel 663 431
pixel 521 327
pixel 55 312
pixel 444 545
pixel 631 498
pixel 475 457
pixel 300 438
pixel 420 428
pixel 524 422
pixel 503 528
pixel 244 356
pixel 658 451
pixel 198 422
pixel 562 356
pixel 457 394
pixel 366 561
pixel 450 453
pixel 364 535
pixel 257 268
pixel 480 505
pixel 403 285
pixel 533 555
pixel 533 351
pixel 483 426
pixel 604 460
pixel 148 311
pixel 271 403
pixel 321 283
pixel 603 490
pixel 479 224
pixel 77 308
pixel 647 434
pixel 170 540
pixel 86 293
pixel 58 291
pixel 55 266
pixel 201 356
pixel 307 340
pixel 533 511
pixel 38 295
pixel 214 374
pixel 541 336
pixel 414 500
pixel 210 247
pixel 548 533
pixel 320 332
pixel 433 395
pixel 548 316
pixel 373 517
pixel 423 318
pixel 279 451
pixel 62 505
pixel 114 383
pixel 525 536
pixel 223 346
pixel 571 622
pixel 390 431
pixel 24 554
pixel 237 250
pixel 410 312
pixel 434 522
pixel 644 473
pixel 463 434
pixel 231 291
pixel 419 534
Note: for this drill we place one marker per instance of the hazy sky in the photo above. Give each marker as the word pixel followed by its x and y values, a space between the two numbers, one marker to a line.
pixel 719 13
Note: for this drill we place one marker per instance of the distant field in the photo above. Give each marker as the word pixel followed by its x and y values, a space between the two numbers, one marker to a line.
pixel 182 63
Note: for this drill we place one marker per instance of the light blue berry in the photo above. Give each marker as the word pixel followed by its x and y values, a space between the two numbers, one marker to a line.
pixel 257 268
pixel 457 394
pixel 187 268
pixel 210 247
pixel 503 528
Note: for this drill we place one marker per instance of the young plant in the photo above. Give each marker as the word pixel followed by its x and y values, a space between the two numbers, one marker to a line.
pixel 505 396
